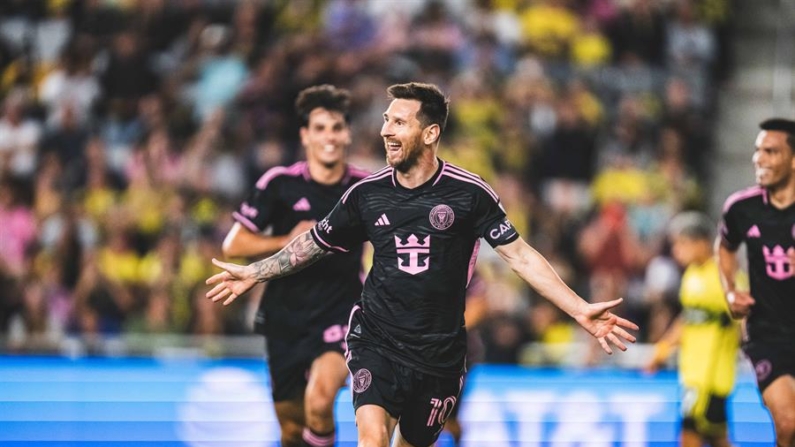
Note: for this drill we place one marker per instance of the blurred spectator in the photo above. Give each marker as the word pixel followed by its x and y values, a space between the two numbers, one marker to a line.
pixel 639 33
pixel 690 48
pixel 219 73
pixel 128 75
pixel 97 19
pixel 18 223
pixel 436 38
pixel 100 185
pixel 19 137
pixel 348 25
pixel 487 18
pixel 568 160
pixel 552 331
pixel 681 112
pixel 71 87
pixel 155 317
pixel 548 27
pixel 67 142
pixel 102 302
pixel 590 48
pixel 690 44
pixel 205 320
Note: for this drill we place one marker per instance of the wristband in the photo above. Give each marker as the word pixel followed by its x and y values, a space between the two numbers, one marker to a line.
pixel 730 297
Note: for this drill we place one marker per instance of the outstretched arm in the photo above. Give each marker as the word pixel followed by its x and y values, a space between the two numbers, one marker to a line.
pixel 596 318
pixel 242 242
pixel 236 279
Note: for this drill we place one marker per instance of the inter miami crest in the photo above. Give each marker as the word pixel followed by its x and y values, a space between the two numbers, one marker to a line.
pixel 442 217
pixel 361 380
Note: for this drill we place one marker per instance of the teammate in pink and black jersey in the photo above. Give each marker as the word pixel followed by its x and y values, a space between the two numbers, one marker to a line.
pixel 304 317
pixel 763 217
pixel 425 218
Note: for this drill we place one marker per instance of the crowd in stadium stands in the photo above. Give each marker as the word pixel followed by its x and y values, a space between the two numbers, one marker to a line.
pixel 130 129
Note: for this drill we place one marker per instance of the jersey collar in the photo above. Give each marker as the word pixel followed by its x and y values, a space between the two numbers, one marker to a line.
pixel 428 183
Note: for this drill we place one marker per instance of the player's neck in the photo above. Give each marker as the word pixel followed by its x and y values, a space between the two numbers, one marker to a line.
pixel 326 175
pixel 782 197
pixel 421 172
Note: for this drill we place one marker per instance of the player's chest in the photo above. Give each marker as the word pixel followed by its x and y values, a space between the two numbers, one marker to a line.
pixel 769 228
pixel 421 218
pixel 301 202
pixel 770 236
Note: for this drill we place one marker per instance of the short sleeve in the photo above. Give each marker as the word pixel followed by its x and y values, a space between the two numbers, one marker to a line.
pixel 491 223
pixel 257 210
pixel 729 229
pixel 342 229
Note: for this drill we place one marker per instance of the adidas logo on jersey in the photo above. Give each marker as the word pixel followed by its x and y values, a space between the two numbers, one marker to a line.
pixel 302 205
pixel 382 221
pixel 754 232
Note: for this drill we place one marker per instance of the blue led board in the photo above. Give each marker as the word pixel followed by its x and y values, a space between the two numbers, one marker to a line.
pixel 56 401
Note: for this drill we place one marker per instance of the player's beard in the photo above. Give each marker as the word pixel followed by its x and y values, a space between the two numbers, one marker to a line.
pixel 772 183
pixel 332 164
pixel 411 155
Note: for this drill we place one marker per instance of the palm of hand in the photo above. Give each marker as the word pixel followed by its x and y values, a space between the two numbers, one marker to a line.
pixel 600 324
pixel 238 282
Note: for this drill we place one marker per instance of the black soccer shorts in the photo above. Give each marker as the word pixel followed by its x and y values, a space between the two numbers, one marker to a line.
pixel 290 359
pixel 770 361
pixel 421 402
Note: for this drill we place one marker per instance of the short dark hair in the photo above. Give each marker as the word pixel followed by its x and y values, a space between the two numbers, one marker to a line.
pixel 782 125
pixel 324 96
pixel 693 225
pixel 434 106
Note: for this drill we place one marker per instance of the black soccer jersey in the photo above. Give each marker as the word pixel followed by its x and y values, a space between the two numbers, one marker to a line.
pixel 425 241
pixel 769 235
pixel 322 293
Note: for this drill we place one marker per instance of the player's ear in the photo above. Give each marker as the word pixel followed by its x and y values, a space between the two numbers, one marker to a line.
pixel 431 134
pixel 304 135
pixel 792 153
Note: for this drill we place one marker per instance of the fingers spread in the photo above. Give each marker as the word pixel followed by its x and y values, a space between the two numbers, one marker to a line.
pixel 624 334
pixel 215 278
pixel 605 346
pixel 215 290
pixel 616 341
pixel 623 322
pixel 230 299
pixel 221 294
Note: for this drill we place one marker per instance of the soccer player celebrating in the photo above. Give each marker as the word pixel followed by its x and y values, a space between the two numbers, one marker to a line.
pixel 424 217
pixel 303 317
pixel 763 217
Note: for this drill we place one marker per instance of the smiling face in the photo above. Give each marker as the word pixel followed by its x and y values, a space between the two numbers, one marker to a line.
pixel 774 160
pixel 325 137
pixel 403 134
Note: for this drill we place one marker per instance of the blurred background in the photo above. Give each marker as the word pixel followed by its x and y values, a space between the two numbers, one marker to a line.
pixel 130 129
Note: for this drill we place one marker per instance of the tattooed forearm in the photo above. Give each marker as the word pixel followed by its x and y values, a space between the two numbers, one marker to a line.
pixel 300 253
